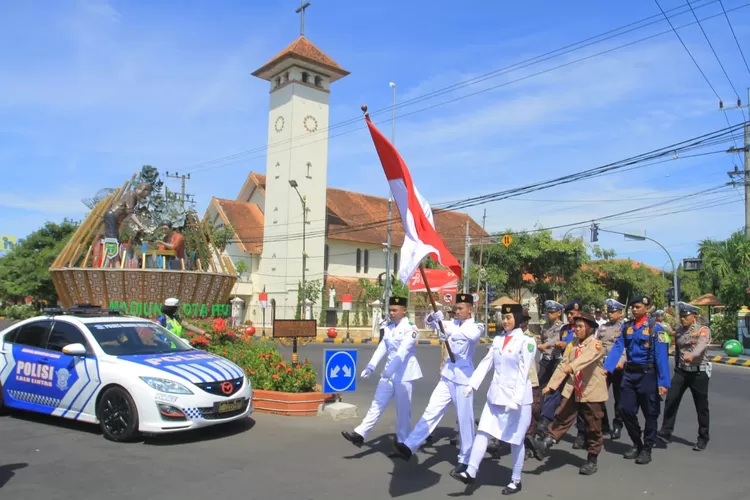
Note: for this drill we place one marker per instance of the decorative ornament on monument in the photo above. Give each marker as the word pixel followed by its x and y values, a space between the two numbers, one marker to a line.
pixel 138 247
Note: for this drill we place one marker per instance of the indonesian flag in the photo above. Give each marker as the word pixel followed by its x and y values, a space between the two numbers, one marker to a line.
pixel 420 238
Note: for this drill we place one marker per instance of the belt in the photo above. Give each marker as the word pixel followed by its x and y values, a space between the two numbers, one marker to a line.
pixel 693 368
pixel 550 357
pixel 638 368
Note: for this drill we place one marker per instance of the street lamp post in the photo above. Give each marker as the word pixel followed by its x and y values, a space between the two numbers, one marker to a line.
pixel 293 183
pixel 638 237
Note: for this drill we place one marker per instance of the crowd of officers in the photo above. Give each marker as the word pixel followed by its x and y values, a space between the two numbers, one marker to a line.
pixel 532 407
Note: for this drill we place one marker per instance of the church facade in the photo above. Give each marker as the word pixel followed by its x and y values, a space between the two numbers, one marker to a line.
pixel 289 226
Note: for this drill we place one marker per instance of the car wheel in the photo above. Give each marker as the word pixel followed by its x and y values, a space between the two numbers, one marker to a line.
pixel 118 415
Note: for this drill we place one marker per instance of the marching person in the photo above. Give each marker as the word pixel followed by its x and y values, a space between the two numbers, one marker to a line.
pixel 507 411
pixel 607 333
pixel 645 379
pixel 552 400
pixel 399 343
pixel 551 354
pixel 692 370
pixel 462 335
pixel 585 392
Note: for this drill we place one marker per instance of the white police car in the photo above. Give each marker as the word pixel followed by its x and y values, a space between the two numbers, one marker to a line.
pixel 125 373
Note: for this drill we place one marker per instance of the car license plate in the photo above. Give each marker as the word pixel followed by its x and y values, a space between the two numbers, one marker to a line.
pixel 229 406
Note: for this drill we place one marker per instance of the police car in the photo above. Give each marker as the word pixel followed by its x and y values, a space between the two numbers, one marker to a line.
pixel 126 374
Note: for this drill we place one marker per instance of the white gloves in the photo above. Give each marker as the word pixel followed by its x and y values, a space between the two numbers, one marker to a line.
pixel 512 406
pixel 366 372
pixel 443 335
pixel 481 328
pixel 436 317
pixel 466 390
pixel 383 323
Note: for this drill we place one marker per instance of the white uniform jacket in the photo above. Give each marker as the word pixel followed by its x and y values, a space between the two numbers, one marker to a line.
pixel 462 338
pixel 510 383
pixel 400 344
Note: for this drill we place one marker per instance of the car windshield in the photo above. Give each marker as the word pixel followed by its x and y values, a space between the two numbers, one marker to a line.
pixel 123 339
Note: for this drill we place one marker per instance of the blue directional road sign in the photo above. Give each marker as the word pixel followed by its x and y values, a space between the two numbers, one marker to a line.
pixel 340 370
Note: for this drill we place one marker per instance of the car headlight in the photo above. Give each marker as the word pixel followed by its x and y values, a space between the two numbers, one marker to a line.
pixel 164 385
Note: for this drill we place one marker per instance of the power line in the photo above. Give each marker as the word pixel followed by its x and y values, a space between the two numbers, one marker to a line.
pixel 735 36
pixel 713 50
pixel 688 50
pixel 210 164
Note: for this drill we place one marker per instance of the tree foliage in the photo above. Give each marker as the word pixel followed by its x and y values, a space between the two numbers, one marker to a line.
pixel 24 271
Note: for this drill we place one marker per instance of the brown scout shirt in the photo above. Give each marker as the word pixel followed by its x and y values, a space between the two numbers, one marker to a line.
pixel 590 362
pixel 693 341
pixel 550 335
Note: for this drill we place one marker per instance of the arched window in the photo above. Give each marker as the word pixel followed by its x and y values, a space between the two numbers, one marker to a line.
pixel 309 170
pixel 395 263
pixel 305 77
pixel 318 81
pixel 325 258
pixel 359 260
pixel 367 261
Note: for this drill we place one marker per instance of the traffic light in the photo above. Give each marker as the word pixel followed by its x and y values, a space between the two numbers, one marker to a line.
pixel 670 295
pixel 594 232
pixel 491 294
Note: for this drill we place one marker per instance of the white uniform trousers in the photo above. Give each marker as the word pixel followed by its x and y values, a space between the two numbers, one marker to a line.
pixel 383 393
pixel 445 392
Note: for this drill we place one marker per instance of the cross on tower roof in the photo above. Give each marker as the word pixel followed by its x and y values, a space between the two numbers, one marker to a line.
pixel 301 11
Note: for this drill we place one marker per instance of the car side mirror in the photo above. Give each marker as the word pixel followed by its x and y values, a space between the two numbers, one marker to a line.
pixel 74 350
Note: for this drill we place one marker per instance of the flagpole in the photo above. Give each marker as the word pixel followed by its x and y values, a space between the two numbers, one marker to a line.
pixel 435 309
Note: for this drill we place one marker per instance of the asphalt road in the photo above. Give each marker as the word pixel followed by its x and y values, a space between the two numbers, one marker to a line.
pixel 306 458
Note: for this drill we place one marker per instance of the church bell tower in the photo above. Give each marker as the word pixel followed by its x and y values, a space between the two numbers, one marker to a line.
pixel 300 79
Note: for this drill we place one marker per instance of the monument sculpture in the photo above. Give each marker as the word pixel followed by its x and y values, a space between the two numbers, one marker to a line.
pixel 137 247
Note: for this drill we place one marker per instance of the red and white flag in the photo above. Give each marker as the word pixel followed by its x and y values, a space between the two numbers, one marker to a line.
pixel 420 238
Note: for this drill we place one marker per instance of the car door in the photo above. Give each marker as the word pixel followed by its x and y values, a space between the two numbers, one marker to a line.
pixel 76 377
pixel 30 381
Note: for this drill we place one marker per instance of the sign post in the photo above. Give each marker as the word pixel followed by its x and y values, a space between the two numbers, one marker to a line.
pixel 339 370
pixel 346 305
pixel 294 328
pixel 263 302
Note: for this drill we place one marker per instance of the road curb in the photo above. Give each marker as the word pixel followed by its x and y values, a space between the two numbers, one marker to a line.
pixel 726 360
pixel 319 340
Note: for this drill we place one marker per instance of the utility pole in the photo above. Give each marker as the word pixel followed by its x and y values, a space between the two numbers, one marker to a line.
pixel 183 178
pixel 466 260
pixel 387 291
pixel 481 250
pixel 745 172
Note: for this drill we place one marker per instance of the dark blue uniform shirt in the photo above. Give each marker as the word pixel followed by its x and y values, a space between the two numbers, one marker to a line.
pixel 642 347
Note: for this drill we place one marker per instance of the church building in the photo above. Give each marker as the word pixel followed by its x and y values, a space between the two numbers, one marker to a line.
pixel 289 226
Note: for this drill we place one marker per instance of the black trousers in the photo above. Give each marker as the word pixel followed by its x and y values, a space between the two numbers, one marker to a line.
pixel 640 391
pixel 697 382
pixel 614 380
pixel 546 369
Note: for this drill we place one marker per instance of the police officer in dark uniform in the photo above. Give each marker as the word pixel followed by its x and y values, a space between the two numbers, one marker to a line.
pixel 550 353
pixel 646 376
pixel 567 333
pixel 607 334
pixel 692 371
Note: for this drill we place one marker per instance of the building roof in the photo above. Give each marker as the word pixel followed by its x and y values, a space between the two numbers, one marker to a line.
pixel 362 218
pixel 247 221
pixel 303 50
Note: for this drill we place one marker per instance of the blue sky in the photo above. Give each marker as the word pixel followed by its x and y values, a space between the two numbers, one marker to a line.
pixel 91 90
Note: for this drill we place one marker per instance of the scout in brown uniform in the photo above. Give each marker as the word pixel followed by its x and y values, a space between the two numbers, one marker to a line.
pixel 585 392
pixel 607 333
pixel 692 370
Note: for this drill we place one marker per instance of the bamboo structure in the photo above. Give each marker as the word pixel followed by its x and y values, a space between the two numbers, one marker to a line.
pixel 202 279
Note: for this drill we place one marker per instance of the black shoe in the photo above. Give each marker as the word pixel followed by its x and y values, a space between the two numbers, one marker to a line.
pixel 353 438
pixel 429 440
pixel 616 432
pixel 632 453
pixel 590 467
pixel 644 457
pixel 664 435
pixel 542 446
pixel 580 442
pixel 542 425
pixel 402 451
pixel 459 468
pixel 512 488
pixel 700 445
pixel 464 477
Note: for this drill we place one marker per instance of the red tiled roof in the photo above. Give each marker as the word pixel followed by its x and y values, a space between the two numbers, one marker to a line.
pixel 247 221
pixel 305 50
pixel 349 211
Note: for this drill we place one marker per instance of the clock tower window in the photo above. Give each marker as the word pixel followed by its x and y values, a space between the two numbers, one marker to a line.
pixel 309 171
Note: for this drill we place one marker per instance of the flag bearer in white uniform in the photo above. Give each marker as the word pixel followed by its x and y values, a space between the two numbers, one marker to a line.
pixel 399 343
pixel 507 412
pixel 462 334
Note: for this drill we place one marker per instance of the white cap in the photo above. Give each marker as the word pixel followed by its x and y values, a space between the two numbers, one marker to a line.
pixel 172 302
